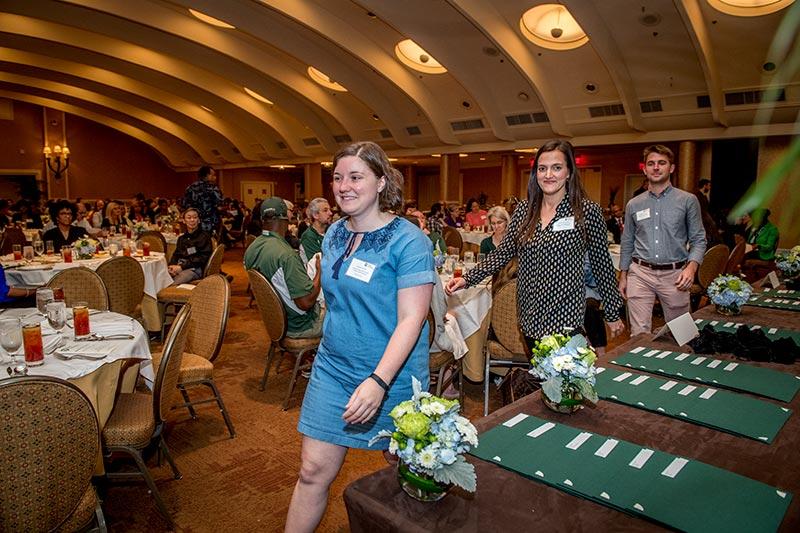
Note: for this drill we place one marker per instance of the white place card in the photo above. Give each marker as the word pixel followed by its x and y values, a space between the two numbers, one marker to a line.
pixel 730 366
pixel 641 458
pixel 639 380
pixel 772 331
pixel 578 441
pixel 675 467
pixel 511 422
pixel 697 321
pixel 738 325
pixel 683 329
pixel 651 353
pixel 708 393
pixel 682 356
pixel 714 322
pixel 768 300
pixel 755 327
pixel 663 354
pixel 541 430
pixel 623 377
pixel 637 349
pixel 715 363
pixel 698 360
pixel 727 324
pixel 687 390
pixel 599 370
pixel 772 277
pixel 668 385
pixel 606 448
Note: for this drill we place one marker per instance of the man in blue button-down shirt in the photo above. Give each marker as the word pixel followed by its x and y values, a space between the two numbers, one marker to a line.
pixel 662 244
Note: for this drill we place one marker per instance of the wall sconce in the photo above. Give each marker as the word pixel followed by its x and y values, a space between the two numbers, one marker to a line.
pixel 57 159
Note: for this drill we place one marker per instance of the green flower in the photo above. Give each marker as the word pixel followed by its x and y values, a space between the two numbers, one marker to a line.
pixel 401 409
pixel 414 425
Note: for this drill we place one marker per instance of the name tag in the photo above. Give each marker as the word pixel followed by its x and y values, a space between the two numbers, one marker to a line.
pixel 563 224
pixel 191 250
pixel 644 214
pixel 360 270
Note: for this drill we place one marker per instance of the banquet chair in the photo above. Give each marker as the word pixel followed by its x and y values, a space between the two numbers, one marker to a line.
pixel 137 421
pixel 11 236
pixel 507 349
pixel 274 317
pixel 81 285
pixel 442 361
pixel 713 265
pixel 156 240
pixel 452 238
pixel 206 330
pixel 170 299
pixel 734 264
pixel 240 235
pixel 48 461
pixel 124 280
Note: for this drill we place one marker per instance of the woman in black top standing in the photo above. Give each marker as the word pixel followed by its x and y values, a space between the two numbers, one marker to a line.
pixel 191 252
pixel 551 232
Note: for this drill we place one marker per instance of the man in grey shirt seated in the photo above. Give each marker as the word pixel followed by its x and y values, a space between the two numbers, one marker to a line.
pixel 662 245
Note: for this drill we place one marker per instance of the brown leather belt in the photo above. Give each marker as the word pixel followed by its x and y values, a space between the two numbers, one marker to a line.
pixel 664 266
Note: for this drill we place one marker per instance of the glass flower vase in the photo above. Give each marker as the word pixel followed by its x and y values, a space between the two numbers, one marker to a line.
pixel 728 310
pixel 421 487
pixel 571 401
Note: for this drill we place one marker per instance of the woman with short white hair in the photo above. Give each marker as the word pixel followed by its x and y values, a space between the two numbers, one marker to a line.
pixel 498 220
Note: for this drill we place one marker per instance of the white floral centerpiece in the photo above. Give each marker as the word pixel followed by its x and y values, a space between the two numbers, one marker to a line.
pixel 85 247
pixel 788 262
pixel 430 438
pixel 566 367
pixel 140 227
pixel 729 294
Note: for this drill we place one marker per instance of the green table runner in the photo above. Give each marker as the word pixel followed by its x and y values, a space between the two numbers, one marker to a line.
pixel 677 492
pixel 718 409
pixel 774 302
pixel 721 372
pixel 772 334
pixel 781 293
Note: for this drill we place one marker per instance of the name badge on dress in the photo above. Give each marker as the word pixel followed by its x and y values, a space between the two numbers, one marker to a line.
pixel 563 224
pixel 191 250
pixel 644 214
pixel 360 270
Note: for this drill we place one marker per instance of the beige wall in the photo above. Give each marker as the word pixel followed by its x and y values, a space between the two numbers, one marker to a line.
pixel 785 205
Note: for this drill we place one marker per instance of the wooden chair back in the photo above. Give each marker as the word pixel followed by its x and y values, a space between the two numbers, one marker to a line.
pixel 714 262
pixel 214 264
pixel 452 238
pixel 734 264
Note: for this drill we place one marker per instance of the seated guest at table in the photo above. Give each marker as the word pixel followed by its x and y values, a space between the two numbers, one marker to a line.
pixel 136 212
pixel 191 251
pixel 476 217
pixel 97 214
pixel 498 220
pixel 761 234
pixel 82 221
pixel 319 212
pixel 436 238
pixel 616 222
pixel 436 218
pixel 371 346
pixel 271 255
pixel 5 213
pixel 26 215
pixel 9 295
pixel 115 221
pixel 453 217
pixel 551 232
pixel 64 233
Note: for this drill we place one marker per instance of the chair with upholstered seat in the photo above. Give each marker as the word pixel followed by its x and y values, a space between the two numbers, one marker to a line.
pixel 81 284
pixel 48 461
pixel 507 349
pixel 156 240
pixel 440 362
pixel 171 298
pixel 734 264
pixel 713 265
pixel 137 421
pixel 275 321
pixel 452 238
pixel 124 281
pixel 206 330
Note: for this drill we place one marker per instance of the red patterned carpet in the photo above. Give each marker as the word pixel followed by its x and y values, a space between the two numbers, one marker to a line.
pixel 241 484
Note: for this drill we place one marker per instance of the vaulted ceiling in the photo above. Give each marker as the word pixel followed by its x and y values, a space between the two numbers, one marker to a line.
pixel 650 70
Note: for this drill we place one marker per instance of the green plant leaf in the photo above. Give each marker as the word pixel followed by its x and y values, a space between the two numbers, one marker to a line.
pixel 459 473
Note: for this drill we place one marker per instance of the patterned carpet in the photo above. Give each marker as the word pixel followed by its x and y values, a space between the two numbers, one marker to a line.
pixel 245 483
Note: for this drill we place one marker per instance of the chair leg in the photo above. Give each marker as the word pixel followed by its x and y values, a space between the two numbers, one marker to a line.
pixel 162 445
pixel 137 457
pixel 460 369
pixel 221 405
pixel 188 402
pixel 486 386
pixel 270 356
pixel 294 379
pixel 440 379
pixel 100 518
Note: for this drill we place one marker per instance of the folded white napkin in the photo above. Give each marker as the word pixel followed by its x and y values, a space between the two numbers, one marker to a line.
pixel 94 349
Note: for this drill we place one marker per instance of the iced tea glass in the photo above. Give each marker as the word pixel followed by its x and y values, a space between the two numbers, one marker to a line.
pixel 66 254
pixel 17 250
pixel 146 249
pixel 80 317
pixel 32 342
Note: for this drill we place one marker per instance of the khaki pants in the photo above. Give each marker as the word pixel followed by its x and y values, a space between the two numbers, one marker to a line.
pixel 644 284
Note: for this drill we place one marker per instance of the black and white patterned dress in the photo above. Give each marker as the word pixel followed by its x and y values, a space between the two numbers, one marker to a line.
pixel 550 288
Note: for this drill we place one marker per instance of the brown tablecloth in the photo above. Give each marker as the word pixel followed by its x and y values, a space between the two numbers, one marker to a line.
pixel 506 501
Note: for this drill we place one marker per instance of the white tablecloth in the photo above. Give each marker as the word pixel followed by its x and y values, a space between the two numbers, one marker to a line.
pixel 156 276
pixel 101 323
pixel 469 307
pixel 473 237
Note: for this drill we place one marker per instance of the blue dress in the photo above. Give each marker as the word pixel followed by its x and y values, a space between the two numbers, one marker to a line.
pixel 361 317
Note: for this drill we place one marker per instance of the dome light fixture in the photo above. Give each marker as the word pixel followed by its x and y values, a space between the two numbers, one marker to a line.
pixel 749 8
pixel 552 26
pixel 412 55
pixel 325 80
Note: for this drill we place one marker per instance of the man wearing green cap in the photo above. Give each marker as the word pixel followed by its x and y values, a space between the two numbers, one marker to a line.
pixel 271 255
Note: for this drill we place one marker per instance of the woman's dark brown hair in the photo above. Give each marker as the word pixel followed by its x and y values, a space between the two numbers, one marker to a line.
pixel 575 191
pixel 391 197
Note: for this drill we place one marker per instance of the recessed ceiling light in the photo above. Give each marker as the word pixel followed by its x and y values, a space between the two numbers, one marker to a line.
pixel 527 150
pixel 552 26
pixel 324 80
pixel 210 20
pixel 281 167
pixel 412 55
pixel 482 158
pixel 393 159
pixel 436 155
pixel 463 155
pixel 257 96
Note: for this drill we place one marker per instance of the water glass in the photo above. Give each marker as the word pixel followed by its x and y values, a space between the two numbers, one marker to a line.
pixel 27 253
pixel 113 249
pixel 458 270
pixel 44 295
pixel 57 315
pixel 50 248
pixel 38 247
pixel 10 334
pixel 469 257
